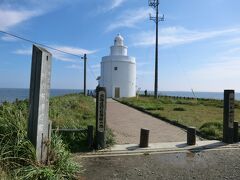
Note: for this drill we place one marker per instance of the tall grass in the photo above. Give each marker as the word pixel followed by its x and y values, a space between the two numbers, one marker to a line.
pixel 60 165
pixel 74 112
pixel 17 155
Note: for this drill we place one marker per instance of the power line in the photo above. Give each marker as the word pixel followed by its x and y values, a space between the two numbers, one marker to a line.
pixel 47 46
pixel 41 44
pixel 93 74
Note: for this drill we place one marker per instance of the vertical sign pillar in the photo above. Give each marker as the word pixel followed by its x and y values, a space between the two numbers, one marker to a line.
pixel 228 116
pixel 38 124
pixel 101 106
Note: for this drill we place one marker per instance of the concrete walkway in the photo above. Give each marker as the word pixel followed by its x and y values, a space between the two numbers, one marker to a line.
pixel 213 164
pixel 126 123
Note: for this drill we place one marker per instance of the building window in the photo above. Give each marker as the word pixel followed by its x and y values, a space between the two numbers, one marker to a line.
pixel 115 68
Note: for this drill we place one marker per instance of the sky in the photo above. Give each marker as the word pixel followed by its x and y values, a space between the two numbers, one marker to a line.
pixel 199 41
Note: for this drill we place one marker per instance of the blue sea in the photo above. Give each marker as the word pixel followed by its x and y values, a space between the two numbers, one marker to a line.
pixel 11 94
pixel 205 95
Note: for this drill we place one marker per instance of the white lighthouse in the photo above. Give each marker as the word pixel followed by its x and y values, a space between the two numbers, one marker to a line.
pixel 118 71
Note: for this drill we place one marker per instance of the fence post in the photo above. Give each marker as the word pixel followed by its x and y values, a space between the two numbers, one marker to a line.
pixel 144 138
pixel 191 136
pixel 235 127
pixel 38 124
pixel 101 105
pixel 228 116
pixel 90 136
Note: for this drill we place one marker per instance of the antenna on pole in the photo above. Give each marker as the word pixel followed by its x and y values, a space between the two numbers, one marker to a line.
pixel 154 4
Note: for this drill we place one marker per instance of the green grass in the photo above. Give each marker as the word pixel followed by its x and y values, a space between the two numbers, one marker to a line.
pixel 73 112
pixel 17 155
pixel 199 113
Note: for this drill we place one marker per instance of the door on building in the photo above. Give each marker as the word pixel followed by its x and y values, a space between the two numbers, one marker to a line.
pixel 117 92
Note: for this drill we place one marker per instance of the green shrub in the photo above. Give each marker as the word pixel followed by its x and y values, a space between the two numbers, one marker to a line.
pixel 179 109
pixel 110 138
pixel 212 130
pixel 154 108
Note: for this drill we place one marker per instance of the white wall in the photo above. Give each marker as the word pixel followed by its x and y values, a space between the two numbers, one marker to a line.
pixel 124 77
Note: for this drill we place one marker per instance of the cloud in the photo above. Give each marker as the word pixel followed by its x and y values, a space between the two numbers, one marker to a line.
pixel 74 50
pixel 142 64
pixel 96 66
pixel 144 73
pixel 172 36
pixel 23 51
pixel 113 4
pixel 13 13
pixel 217 75
pixel 10 18
pixel 63 57
pixel 130 18
pixel 225 68
pixel 74 66
pixel 233 50
pixel 59 55
pixel 8 38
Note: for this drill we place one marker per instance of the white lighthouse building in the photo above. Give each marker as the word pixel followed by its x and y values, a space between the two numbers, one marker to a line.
pixel 118 71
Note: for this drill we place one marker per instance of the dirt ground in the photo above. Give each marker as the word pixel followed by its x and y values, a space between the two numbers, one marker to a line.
pixel 126 123
pixel 204 165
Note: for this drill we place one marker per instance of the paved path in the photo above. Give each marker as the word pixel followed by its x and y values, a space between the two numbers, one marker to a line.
pixel 203 165
pixel 126 123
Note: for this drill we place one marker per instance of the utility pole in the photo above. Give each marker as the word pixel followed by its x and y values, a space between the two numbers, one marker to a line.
pixel 154 4
pixel 85 74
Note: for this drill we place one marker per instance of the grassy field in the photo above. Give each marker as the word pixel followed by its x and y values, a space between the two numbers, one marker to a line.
pixel 17 155
pixel 204 114
pixel 75 112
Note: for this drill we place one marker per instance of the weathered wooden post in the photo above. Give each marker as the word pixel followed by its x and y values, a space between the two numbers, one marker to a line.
pixel 38 125
pixel 101 105
pixel 191 136
pixel 228 116
pixel 90 135
pixel 235 127
pixel 144 138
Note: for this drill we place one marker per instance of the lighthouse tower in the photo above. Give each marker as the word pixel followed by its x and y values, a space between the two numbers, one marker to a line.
pixel 118 71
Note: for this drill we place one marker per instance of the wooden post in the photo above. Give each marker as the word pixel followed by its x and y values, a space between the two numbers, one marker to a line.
pixel 38 124
pixel 191 136
pixel 101 105
pixel 90 136
pixel 235 127
pixel 144 136
pixel 228 116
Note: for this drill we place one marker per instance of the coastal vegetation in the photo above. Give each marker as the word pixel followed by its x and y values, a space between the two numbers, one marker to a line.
pixel 17 155
pixel 204 114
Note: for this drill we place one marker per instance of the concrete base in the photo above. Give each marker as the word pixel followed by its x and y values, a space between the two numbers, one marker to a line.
pixel 171 147
pixel 165 146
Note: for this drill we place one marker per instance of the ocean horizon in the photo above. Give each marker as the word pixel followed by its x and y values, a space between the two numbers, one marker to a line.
pixel 11 94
